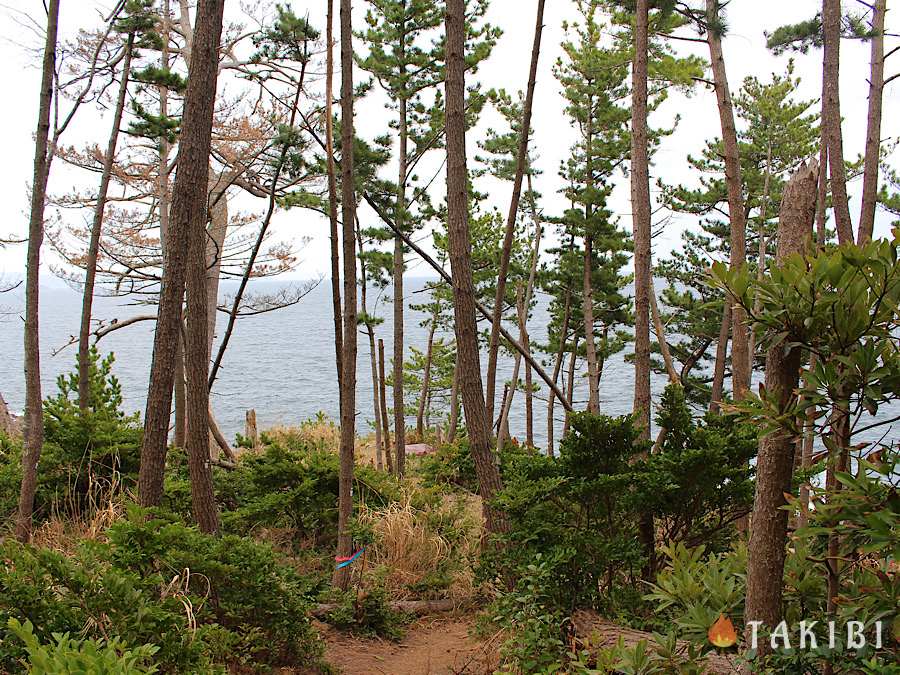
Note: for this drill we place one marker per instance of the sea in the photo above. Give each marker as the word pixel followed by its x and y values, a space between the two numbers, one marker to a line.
pixel 281 363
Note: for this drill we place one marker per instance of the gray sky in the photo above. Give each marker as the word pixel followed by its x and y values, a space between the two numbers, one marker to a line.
pixel 745 54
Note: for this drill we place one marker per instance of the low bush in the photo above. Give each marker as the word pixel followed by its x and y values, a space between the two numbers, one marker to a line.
pixel 203 601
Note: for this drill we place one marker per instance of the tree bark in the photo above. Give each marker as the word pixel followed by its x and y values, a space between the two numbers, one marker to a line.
pixel 506 251
pixel 570 384
pixel 84 363
pixel 195 149
pixel 761 252
pixel 33 430
pixel 557 367
pixel 454 405
pixel 740 357
pixel 873 124
pixel 775 462
pixel 399 406
pixel 470 386
pixel 187 230
pixel 382 389
pixel 640 199
pixel 426 383
pixel 831 117
pixel 332 196
pixel 660 330
pixel 503 433
pixel 718 384
pixel 348 358
pixel 587 310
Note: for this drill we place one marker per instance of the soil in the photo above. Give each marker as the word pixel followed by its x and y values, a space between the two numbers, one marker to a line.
pixel 444 645
pixel 432 646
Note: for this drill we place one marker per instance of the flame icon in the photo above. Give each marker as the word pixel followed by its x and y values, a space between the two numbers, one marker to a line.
pixel 722 633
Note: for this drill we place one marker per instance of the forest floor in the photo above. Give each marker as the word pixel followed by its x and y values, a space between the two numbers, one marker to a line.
pixel 442 645
pixel 448 645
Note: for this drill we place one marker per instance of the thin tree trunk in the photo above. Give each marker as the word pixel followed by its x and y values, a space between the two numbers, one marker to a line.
pixel 348 359
pixel 557 367
pixel 399 403
pixel 761 251
pixel 587 311
pixel 570 383
pixel 470 385
pixel 506 251
pixel 775 462
pixel 454 405
pixel 187 217
pixel 332 195
pixel 426 383
pixel 84 363
pixel 33 431
pixel 382 389
pixel 503 427
pixel 740 358
pixel 831 117
pixel 873 124
pixel 643 271
pixel 523 328
pixel 718 384
pixel 373 361
pixel 660 330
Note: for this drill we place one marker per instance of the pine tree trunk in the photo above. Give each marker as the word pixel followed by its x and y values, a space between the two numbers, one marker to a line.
pixel 640 199
pixel 587 311
pixel 382 389
pixel 187 228
pixel 557 367
pixel 332 196
pixel 761 251
pixel 195 148
pixel 775 462
pixel 831 117
pixel 33 430
pixel 503 433
pixel 348 359
pixel 376 402
pixel 399 404
pixel 523 327
pixel 506 251
pixel 570 384
pixel 426 383
pixel 373 359
pixel 660 330
pixel 470 385
pixel 873 124
pixel 400 219
pixel 718 383
pixel 454 405
pixel 84 362
pixel 180 435
pixel 740 357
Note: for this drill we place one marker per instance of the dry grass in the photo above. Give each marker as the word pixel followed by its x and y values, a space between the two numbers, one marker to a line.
pixel 410 549
pixel 64 532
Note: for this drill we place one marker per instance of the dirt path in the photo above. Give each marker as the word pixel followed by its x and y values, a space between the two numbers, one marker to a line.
pixel 432 646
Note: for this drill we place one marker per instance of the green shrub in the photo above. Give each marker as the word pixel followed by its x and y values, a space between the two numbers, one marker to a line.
pixel 68 656
pixel 285 484
pixel 202 600
pixel 87 454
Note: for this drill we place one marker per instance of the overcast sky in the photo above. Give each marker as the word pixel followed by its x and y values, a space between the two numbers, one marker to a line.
pixel 745 54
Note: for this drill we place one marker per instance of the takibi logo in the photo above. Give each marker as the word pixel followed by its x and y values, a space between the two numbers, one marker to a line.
pixel 722 633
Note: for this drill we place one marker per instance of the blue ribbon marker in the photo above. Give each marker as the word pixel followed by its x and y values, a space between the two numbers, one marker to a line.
pixel 344 562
